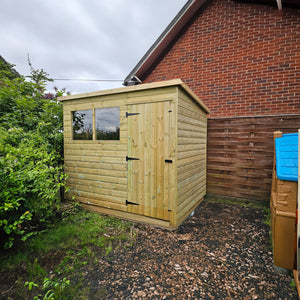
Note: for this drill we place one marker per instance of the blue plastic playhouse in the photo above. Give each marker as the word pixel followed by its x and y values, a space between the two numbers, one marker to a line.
pixel 287 157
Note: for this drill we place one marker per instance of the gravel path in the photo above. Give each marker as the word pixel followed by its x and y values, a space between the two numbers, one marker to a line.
pixel 222 252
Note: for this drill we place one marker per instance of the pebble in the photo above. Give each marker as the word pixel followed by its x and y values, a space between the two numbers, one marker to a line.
pixel 141 293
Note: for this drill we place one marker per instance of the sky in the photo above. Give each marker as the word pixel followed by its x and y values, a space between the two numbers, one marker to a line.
pixel 82 39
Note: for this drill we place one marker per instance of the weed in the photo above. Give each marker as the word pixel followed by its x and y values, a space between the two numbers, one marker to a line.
pixel 70 246
pixel 293 284
pixel 30 285
pixel 109 249
pixel 55 289
pixel 267 221
pixel 35 271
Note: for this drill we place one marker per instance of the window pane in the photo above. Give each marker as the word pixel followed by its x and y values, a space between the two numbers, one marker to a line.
pixel 83 125
pixel 108 123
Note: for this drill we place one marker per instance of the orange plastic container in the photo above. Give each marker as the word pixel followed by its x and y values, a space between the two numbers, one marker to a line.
pixel 283 219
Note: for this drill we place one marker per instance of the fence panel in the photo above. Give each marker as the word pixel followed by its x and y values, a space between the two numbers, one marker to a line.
pixel 240 155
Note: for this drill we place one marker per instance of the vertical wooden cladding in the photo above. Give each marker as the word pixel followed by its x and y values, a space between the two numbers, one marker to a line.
pixel 149 184
pixel 191 156
pixel 156 172
pixel 240 155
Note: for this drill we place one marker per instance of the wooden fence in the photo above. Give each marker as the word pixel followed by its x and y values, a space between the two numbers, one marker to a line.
pixel 240 155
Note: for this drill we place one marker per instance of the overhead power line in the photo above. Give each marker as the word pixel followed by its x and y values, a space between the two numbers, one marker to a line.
pixel 82 79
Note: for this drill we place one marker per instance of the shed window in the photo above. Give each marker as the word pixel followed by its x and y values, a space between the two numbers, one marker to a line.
pixel 83 125
pixel 108 123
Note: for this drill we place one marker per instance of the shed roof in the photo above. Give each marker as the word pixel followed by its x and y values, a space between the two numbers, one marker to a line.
pixel 174 28
pixel 169 83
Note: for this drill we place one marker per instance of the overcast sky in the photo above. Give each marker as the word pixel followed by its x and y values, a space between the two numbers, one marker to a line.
pixel 89 39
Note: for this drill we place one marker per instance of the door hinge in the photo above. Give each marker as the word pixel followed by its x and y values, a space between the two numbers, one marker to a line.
pixel 131 158
pixel 131 114
pixel 169 161
pixel 131 203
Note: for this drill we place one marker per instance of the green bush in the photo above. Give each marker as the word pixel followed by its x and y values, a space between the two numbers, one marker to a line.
pixel 29 181
pixel 31 156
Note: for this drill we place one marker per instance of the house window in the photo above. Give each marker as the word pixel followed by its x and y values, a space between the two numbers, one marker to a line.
pixel 108 123
pixel 82 125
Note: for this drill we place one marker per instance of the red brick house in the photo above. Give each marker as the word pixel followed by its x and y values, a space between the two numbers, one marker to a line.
pixel 242 58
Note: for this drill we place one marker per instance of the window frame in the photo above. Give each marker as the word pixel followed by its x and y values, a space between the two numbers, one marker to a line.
pixel 72 125
pixel 94 133
pixel 119 120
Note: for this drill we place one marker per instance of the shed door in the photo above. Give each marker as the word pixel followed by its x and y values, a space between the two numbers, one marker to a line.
pixel 149 159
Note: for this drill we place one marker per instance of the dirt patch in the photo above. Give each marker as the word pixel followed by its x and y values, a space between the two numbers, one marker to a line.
pixel 223 251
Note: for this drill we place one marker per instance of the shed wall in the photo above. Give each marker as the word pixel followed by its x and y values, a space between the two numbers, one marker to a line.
pixel 191 155
pixel 97 169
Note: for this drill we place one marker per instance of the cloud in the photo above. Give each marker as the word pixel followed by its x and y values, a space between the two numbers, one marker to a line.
pixel 77 38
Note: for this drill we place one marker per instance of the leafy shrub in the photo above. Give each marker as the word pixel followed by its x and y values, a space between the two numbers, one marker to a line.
pixel 31 154
pixel 29 181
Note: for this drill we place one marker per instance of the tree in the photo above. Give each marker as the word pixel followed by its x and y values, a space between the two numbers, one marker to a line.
pixel 7 70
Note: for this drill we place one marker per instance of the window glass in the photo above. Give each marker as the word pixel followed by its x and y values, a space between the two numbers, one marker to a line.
pixel 108 123
pixel 83 125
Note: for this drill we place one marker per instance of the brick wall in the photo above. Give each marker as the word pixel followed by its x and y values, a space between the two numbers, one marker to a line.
pixel 240 59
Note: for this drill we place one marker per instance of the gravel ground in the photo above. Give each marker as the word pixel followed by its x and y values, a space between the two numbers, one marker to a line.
pixel 222 252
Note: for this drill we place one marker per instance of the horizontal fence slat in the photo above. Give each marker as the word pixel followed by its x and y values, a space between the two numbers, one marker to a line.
pixel 240 154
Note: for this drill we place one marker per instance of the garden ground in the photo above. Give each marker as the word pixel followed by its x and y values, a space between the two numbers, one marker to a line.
pixel 223 251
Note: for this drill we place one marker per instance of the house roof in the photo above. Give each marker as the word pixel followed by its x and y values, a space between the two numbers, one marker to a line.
pixel 162 84
pixel 164 40
pixel 173 29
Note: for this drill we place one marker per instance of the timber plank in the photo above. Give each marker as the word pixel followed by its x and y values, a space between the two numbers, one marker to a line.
pixel 101 199
pixel 108 179
pixel 97 165
pixel 193 153
pixel 98 203
pixel 188 141
pixel 95 159
pixel 115 146
pixel 99 191
pixel 98 184
pixel 100 172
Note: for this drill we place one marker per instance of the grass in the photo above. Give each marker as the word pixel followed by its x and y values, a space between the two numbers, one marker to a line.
pixel 50 265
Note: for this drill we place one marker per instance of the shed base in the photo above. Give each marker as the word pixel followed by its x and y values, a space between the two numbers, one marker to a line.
pixel 139 218
pixel 129 216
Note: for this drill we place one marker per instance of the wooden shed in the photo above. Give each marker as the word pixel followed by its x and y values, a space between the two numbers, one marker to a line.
pixel 137 152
